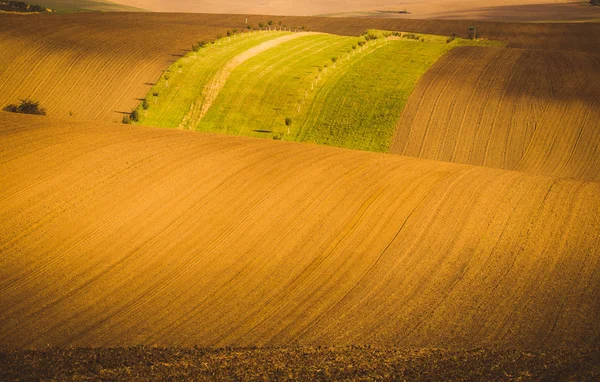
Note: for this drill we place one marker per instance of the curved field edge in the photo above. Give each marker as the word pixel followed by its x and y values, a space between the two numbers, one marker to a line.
pixel 299 363
pixel 331 89
pixel 527 110
pixel 117 236
pixel 95 66
pixel 359 107
pixel 182 85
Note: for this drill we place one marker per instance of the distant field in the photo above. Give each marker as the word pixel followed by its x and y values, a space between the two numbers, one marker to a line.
pixel 96 66
pixel 354 102
pixel 72 6
pixel 499 10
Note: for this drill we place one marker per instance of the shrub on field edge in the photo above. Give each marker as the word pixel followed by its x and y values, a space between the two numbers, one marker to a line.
pixel 27 106
pixel 145 104
pixel 133 117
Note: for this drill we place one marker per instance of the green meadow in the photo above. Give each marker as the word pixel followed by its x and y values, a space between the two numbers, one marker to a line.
pixel 319 88
pixel 183 83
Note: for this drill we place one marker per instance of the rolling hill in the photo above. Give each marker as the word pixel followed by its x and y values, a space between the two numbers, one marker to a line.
pixel 527 110
pixel 70 6
pixel 116 235
pixel 499 10
pixel 96 66
pixel 249 84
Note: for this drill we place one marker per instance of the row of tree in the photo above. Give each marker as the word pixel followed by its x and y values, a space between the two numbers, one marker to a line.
pixel 20 6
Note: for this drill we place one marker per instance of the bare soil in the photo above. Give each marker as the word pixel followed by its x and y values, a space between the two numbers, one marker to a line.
pixel 528 110
pixel 115 235
pixel 496 10
pixel 299 363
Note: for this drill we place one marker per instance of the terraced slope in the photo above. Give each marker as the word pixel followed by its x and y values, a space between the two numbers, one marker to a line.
pixel 533 111
pixel 115 236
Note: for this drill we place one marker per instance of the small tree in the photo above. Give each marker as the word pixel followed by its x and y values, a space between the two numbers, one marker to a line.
pixel 371 36
pixel 145 104
pixel 167 77
pixel 261 25
pixel 472 33
pixel 334 60
pixel 126 120
pixel 135 116
pixel 288 123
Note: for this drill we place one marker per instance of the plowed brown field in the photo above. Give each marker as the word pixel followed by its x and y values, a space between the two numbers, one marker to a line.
pixel 114 235
pixel 94 67
pixel 501 10
pixel 527 110
pixel 97 66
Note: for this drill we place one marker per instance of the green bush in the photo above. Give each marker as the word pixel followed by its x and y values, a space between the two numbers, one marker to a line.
pixel 135 116
pixel 27 106
pixel 200 44
pixel 126 120
pixel 145 105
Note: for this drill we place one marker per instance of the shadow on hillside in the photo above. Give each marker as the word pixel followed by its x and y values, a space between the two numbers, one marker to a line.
pixel 524 13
